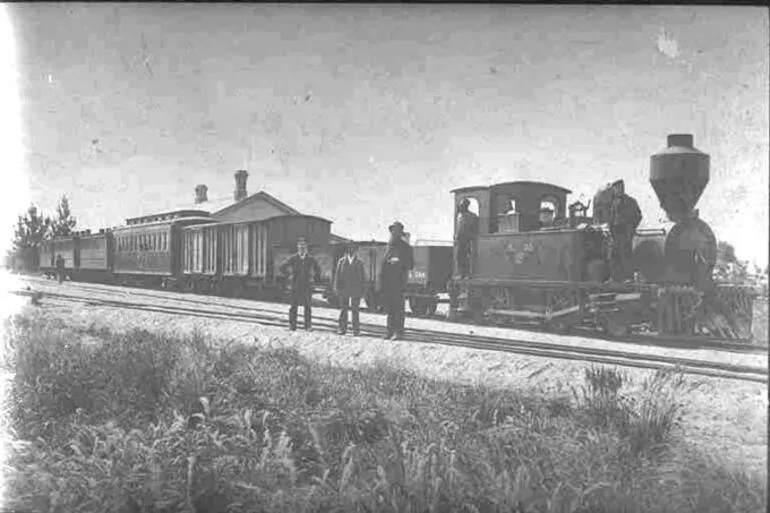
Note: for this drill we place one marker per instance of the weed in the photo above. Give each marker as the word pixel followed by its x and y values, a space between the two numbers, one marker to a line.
pixel 108 428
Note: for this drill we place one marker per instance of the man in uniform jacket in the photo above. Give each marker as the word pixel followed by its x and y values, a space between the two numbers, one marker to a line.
pixel 396 264
pixel 467 229
pixel 304 272
pixel 625 217
pixel 349 285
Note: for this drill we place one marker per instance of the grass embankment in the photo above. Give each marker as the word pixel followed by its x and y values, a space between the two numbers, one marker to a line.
pixel 116 424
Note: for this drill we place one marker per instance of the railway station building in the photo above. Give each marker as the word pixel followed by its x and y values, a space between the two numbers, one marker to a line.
pixel 236 208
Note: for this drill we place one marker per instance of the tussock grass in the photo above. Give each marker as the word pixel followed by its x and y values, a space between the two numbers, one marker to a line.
pixel 120 425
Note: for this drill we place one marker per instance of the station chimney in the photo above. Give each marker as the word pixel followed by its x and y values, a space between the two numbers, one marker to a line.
pixel 240 184
pixel 201 194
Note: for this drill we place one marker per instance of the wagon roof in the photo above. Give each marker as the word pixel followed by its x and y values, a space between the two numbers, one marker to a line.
pixel 282 216
pixel 178 220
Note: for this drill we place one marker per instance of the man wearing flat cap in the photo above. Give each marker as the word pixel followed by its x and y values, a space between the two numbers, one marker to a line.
pixel 396 264
pixel 349 285
pixel 467 228
pixel 625 217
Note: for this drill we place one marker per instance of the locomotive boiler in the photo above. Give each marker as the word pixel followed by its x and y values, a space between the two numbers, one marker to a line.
pixel 525 269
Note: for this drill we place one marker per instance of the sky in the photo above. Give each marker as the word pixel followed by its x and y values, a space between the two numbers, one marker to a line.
pixel 366 114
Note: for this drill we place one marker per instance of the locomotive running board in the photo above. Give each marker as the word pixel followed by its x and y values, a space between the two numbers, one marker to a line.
pixel 535 315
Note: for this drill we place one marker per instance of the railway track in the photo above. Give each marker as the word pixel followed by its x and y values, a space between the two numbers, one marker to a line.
pixel 522 347
pixel 688 343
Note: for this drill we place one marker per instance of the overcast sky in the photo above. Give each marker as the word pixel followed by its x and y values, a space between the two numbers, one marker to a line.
pixel 368 114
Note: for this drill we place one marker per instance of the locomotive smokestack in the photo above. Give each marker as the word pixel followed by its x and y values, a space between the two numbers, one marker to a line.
pixel 240 184
pixel 681 140
pixel 679 174
pixel 201 194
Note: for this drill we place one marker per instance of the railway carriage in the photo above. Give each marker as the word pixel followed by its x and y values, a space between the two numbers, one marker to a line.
pixel 66 246
pixel 149 253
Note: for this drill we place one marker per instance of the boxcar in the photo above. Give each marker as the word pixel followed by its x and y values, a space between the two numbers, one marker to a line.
pixel 283 232
pixel 371 254
pixel 240 259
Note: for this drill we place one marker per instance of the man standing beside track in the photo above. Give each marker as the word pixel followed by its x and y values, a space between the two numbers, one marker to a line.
pixel 349 285
pixel 396 264
pixel 304 271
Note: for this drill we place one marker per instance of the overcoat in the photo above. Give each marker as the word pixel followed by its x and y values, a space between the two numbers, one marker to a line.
pixel 304 272
pixel 626 216
pixel 394 274
pixel 350 278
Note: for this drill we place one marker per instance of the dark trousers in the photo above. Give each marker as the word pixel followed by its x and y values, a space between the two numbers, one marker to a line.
pixel 463 251
pixel 622 258
pixel 296 301
pixel 394 304
pixel 61 276
pixel 349 303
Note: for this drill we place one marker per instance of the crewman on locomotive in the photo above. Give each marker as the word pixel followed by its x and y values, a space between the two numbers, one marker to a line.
pixel 467 228
pixel 546 217
pixel 304 271
pixel 625 217
pixel 349 285
pixel 398 261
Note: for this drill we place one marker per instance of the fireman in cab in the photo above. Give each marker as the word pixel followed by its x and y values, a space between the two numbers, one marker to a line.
pixel 467 229
pixel 625 217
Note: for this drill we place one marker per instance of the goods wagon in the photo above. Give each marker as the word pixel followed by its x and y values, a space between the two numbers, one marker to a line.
pixel 371 254
pixel 240 259
pixel 429 278
pixel 529 266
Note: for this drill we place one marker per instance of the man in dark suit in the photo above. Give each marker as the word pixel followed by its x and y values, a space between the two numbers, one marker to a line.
pixel 349 284
pixel 304 271
pixel 396 264
pixel 625 217
pixel 467 229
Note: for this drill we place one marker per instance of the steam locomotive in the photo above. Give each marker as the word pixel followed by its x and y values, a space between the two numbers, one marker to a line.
pixel 556 277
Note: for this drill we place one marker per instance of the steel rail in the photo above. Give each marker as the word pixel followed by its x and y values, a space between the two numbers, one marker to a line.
pixel 674 342
pixel 530 348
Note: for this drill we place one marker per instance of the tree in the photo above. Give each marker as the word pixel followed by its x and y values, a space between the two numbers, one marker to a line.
pixel 64 222
pixel 30 231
